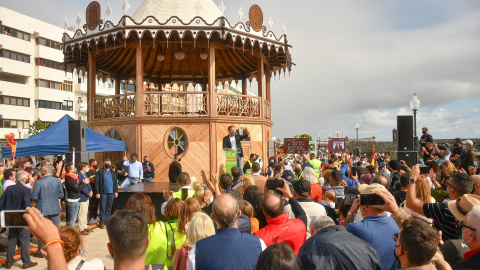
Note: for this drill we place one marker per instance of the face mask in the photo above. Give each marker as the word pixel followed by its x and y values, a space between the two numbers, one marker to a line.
pixel 395 254
pixel 424 132
pixel 475 164
pixel 107 166
pixel 465 243
pixel 211 200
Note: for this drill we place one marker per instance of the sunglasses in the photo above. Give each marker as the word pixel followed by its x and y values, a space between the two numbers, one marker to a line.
pixel 447 184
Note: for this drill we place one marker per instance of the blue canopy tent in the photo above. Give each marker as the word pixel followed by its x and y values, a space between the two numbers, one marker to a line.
pixel 54 141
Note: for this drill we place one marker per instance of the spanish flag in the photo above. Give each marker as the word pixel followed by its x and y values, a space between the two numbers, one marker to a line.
pixel 11 143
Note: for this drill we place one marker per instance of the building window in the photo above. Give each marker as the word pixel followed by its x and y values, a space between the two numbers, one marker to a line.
pixel 45 104
pixel 48 43
pixel 114 134
pixel 15 56
pixel 16 33
pixel 16 101
pixel 54 85
pixel 13 123
pixel 48 63
pixel 67 86
pixel 176 142
pixel 67 105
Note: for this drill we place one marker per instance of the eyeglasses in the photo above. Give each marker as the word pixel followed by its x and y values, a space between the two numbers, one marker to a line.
pixel 462 225
pixel 395 236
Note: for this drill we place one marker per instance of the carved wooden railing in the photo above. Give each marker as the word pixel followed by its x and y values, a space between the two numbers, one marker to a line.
pixel 268 110
pixel 114 106
pixel 238 105
pixel 178 104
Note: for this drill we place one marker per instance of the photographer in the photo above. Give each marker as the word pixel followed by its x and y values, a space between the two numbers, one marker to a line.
pixel 280 228
pixel 376 228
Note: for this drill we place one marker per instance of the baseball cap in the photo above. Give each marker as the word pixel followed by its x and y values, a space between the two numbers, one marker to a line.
pixel 468 142
pixel 372 188
pixel 302 187
pixel 381 165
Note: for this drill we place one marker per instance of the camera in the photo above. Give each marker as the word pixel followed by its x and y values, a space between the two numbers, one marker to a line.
pixel 274 184
pixel 371 199
pixel 424 169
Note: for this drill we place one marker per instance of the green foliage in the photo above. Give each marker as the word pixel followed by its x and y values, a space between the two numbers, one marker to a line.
pixel 304 136
pixel 36 127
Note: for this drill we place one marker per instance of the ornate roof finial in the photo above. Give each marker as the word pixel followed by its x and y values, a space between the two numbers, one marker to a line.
pixel 222 7
pixel 108 12
pixel 79 20
pixel 126 6
pixel 284 28
pixel 150 7
pixel 270 22
pixel 198 7
pixel 240 13
pixel 66 23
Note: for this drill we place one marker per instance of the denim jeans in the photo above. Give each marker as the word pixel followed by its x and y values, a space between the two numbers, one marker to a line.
pixel 147 179
pixel 129 182
pixel 55 220
pixel 73 208
pixel 106 204
pixel 239 162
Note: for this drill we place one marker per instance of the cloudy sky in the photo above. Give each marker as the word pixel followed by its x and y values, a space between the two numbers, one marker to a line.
pixel 356 61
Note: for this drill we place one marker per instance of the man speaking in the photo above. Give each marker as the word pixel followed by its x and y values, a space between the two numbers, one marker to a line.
pixel 233 141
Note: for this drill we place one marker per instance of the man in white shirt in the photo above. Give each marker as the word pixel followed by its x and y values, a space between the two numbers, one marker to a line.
pixel 135 172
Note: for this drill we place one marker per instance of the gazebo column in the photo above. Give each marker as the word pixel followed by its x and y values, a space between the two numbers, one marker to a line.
pixel 212 110
pixel 244 86
pixel 261 85
pixel 139 110
pixel 117 85
pixel 91 85
pixel 268 76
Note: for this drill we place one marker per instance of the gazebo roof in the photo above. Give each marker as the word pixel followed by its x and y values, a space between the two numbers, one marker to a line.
pixel 185 10
pixel 160 28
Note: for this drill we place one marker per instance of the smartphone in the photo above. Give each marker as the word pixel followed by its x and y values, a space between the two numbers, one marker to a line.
pixel 274 184
pixel 349 198
pixel 184 194
pixel 13 219
pixel 371 199
pixel 424 169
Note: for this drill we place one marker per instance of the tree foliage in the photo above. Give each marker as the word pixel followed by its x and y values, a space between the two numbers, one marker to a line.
pixel 304 136
pixel 36 127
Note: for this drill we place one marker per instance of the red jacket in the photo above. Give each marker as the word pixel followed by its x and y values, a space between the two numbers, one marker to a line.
pixel 281 229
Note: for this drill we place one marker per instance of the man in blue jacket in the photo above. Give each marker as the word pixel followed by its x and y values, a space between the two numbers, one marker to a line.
pixel 85 194
pixel 46 192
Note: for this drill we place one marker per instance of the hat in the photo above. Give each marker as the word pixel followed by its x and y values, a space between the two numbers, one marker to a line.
pixel 367 189
pixel 394 164
pixel 446 145
pixel 381 165
pixel 462 205
pixel 468 142
pixel 302 187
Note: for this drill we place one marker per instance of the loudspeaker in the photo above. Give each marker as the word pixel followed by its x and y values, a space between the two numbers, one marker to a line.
pixel 80 156
pixel 76 135
pixel 405 132
pixel 410 157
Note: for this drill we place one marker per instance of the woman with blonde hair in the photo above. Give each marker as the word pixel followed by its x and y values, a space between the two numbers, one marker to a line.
pixel 74 250
pixel 447 168
pixel 244 182
pixel 200 227
pixel 311 177
pixel 423 194
pixel 203 194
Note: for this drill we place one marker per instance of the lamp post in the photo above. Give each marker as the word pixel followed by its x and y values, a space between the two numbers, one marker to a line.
pixel 414 105
pixel 19 129
pixel 356 129
pixel 337 133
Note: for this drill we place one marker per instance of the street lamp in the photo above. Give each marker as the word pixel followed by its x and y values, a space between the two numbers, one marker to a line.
pixel 19 129
pixel 414 105
pixel 337 133
pixel 356 128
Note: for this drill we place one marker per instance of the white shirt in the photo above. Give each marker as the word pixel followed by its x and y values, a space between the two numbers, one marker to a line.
pixel 191 255
pixel 233 142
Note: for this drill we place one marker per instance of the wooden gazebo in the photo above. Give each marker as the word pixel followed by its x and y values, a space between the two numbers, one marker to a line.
pixel 190 45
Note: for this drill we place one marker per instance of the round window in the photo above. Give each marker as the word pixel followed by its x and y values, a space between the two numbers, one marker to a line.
pixel 176 142
pixel 114 134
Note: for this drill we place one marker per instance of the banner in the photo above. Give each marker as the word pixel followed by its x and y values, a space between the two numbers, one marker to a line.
pixel 231 159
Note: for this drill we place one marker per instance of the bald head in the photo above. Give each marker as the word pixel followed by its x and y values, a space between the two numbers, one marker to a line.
pixel 225 211
pixel 272 205
pixel 381 179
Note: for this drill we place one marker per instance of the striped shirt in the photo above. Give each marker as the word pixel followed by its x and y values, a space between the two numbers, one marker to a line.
pixel 443 220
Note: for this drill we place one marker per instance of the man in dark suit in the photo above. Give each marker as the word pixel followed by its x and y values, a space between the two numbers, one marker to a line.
pixel 106 190
pixel 17 197
pixel 46 193
pixel 233 141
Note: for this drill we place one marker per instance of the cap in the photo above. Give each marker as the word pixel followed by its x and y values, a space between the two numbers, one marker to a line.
pixel 468 142
pixel 394 164
pixel 381 165
pixel 462 205
pixel 302 187
pixel 446 145
pixel 372 188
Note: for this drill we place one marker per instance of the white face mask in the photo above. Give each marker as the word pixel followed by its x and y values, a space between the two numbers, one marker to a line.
pixel 211 200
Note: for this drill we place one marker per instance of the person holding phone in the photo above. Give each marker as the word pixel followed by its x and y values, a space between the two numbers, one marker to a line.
pixel 17 197
pixel 376 228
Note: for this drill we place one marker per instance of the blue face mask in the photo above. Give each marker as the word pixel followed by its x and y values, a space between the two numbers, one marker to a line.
pixel 475 164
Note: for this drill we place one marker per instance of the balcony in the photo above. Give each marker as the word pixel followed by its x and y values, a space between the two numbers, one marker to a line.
pixel 16 89
pixel 17 45
pixel 180 104
pixel 16 67
pixel 50 74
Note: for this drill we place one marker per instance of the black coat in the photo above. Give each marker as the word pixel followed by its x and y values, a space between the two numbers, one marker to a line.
pixel 335 248
pixel 15 197
pixel 228 145
pixel 472 263
pixel 99 186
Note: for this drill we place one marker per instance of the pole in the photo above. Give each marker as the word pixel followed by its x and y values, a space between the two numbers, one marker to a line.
pixel 357 133
pixel 415 122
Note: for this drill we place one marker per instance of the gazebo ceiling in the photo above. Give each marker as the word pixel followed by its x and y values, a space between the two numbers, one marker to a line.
pixel 237 53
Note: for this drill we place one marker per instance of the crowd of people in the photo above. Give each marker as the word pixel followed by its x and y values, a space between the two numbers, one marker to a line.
pixel 298 214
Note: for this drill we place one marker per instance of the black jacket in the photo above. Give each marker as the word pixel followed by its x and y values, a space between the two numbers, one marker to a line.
pixel 472 263
pixel 335 248
pixel 73 188
pixel 15 197
pixel 228 145
pixel 99 186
